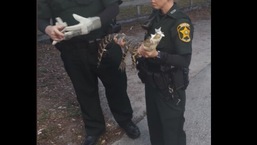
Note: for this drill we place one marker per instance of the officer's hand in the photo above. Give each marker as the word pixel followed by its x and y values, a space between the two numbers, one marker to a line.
pixel 143 51
pixel 55 32
pixel 85 26
pixel 57 35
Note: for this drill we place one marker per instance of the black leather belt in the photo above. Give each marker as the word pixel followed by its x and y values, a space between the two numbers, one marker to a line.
pixel 76 43
pixel 83 39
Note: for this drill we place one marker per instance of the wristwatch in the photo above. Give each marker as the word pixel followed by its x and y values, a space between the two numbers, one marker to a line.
pixel 159 54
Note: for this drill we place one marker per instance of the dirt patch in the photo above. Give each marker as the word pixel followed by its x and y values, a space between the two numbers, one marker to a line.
pixel 58 113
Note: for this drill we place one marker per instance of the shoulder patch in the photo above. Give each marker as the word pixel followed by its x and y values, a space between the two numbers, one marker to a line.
pixel 184 32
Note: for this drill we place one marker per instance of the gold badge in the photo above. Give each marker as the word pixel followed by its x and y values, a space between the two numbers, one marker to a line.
pixel 184 32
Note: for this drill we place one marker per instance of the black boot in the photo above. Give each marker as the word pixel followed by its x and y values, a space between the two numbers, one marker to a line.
pixel 131 130
pixel 91 140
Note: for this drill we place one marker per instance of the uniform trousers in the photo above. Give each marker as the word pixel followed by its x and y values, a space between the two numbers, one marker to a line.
pixel 165 117
pixel 80 62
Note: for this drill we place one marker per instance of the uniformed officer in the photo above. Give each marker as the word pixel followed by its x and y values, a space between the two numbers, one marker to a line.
pixel 77 26
pixel 165 73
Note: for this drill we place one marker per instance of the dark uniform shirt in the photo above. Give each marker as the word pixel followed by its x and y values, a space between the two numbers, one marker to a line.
pixel 178 31
pixel 50 9
pixel 176 27
pixel 176 46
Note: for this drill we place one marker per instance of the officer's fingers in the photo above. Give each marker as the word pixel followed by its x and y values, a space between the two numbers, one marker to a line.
pixel 141 48
pixel 57 38
pixel 60 27
pixel 151 54
pixel 58 34
pixel 145 48
pixel 144 54
pixel 141 51
pixel 54 33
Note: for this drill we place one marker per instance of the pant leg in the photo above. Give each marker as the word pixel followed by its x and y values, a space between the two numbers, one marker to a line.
pixel 80 64
pixel 115 83
pixel 165 118
pixel 172 119
pixel 153 117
